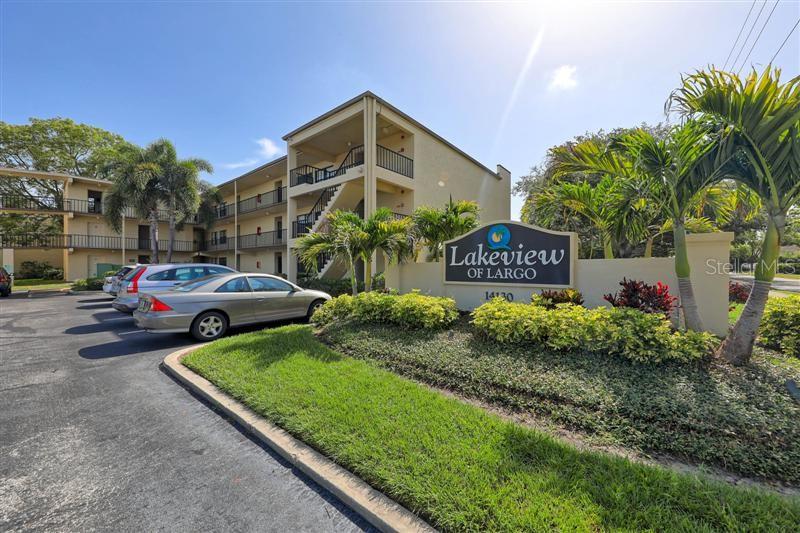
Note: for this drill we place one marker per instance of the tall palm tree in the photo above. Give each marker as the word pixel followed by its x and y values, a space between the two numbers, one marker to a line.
pixel 758 119
pixel 136 186
pixel 347 237
pixel 180 185
pixel 433 226
pixel 151 178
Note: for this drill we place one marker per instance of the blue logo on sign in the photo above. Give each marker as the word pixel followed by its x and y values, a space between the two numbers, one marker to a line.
pixel 499 236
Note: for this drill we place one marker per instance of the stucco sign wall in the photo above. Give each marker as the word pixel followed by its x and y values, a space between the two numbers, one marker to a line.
pixel 510 253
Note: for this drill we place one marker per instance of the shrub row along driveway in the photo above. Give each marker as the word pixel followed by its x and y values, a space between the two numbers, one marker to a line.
pixel 94 436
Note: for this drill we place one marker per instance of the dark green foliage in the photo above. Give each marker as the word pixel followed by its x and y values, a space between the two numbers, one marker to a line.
pixel 738 418
pixel 39 270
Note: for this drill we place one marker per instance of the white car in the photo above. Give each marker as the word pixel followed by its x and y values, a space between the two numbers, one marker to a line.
pixel 111 283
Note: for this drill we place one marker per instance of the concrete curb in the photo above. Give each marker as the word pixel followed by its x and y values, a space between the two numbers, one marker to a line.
pixel 377 508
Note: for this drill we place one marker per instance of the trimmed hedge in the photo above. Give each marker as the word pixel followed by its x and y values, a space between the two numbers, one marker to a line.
pixel 780 326
pixel 88 284
pixel 642 337
pixel 411 311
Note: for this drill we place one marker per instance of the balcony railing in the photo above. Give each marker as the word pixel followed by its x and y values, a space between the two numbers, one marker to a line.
pixel 30 240
pixel 396 162
pixel 31 203
pixel 254 203
pixel 265 239
pixel 309 174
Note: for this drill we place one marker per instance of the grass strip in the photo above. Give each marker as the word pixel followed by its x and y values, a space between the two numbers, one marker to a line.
pixel 741 419
pixel 456 465
pixel 40 284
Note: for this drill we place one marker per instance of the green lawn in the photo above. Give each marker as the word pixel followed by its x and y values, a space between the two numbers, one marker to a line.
pixel 734 312
pixel 456 465
pixel 40 284
pixel 740 419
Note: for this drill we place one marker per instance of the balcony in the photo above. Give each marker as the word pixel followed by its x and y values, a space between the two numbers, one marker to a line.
pixel 395 161
pixel 265 239
pixel 73 205
pixel 31 203
pixel 30 240
pixel 310 174
pixel 254 203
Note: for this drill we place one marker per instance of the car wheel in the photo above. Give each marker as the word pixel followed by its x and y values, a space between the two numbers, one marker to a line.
pixel 316 304
pixel 209 326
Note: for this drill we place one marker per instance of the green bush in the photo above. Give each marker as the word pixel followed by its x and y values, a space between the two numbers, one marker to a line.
pixel 39 270
pixel 88 284
pixel 550 299
pixel 411 311
pixel 780 326
pixel 624 332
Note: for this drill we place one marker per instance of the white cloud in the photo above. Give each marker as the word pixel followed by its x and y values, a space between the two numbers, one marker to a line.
pixel 240 164
pixel 267 147
pixel 563 78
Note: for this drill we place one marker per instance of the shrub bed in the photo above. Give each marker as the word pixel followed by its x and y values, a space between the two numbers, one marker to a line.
pixel 456 465
pixel 638 336
pixel 412 310
pixel 780 326
pixel 739 418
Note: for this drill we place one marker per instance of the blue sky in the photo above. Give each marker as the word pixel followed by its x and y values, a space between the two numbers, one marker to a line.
pixel 504 82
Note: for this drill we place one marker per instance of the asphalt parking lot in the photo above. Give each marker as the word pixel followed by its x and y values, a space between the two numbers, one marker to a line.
pixel 95 436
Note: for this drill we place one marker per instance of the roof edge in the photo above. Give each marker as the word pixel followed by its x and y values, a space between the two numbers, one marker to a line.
pixel 394 109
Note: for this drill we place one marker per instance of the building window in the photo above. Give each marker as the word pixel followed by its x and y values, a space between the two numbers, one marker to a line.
pixel 278 263
pixel 222 261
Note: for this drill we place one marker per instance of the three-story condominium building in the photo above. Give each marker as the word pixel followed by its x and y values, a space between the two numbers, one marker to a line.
pixel 360 156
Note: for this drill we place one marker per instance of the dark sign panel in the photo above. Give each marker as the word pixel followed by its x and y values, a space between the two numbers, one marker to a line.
pixel 509 253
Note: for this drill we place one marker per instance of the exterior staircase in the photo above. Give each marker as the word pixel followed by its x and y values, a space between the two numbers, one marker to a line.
pixel 346 196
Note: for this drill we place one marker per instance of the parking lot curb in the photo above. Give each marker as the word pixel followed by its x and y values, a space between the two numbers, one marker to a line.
pixel 374 506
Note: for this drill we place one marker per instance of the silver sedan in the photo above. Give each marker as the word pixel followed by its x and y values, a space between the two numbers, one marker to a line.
pixel 208 306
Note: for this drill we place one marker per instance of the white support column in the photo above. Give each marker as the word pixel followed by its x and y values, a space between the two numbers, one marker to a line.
pixel 291 215
pixel 65 229
pixel 236 224
pixel 124 262
pixel 370 159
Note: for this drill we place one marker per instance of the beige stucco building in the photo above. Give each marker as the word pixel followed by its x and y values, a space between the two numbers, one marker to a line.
pixel 360 156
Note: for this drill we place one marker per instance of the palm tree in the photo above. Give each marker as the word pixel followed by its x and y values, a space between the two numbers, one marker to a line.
pixel 668 175
pixel 347 237
pixel 136 186
pixel 146 180
pixel 600 205
pixel 758 119
pixel 180 183
pixel 434 226
pixel 210 198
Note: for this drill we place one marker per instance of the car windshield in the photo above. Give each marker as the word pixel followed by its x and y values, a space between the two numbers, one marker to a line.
pixel 195 283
